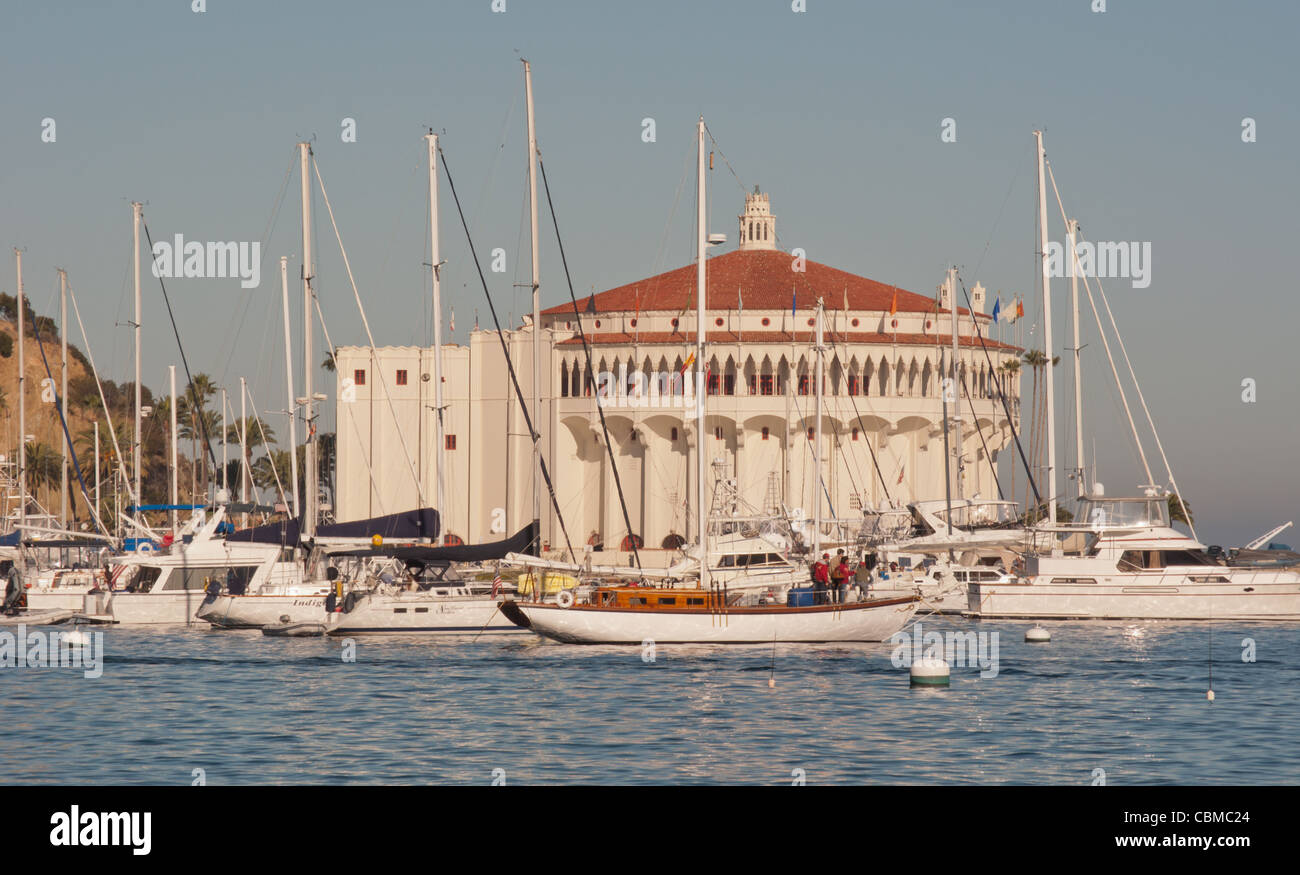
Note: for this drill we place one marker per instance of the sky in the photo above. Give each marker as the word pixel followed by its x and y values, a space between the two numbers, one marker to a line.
pixel 836 111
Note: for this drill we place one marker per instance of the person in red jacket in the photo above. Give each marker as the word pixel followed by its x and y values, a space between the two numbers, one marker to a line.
pixel 821 579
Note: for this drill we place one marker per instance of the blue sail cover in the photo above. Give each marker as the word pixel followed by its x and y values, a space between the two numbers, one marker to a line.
pixel 409 525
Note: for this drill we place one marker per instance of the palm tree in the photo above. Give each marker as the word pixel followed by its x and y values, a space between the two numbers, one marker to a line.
pixel 268 468
pixel 196 422
pixel 258 434
pixel 1176 507
pixel 1037 360
pixel 44 465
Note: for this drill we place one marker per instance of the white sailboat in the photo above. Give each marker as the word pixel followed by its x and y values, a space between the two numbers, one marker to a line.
pixel 616 611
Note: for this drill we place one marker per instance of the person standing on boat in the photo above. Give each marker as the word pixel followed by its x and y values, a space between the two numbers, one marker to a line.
pixel 13 586
pixel 841 574
pixel 821 579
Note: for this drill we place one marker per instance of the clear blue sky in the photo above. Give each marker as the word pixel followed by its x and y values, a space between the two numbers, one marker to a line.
pixel 835 111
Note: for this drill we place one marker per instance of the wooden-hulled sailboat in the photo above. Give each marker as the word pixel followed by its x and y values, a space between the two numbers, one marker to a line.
pixel 626 612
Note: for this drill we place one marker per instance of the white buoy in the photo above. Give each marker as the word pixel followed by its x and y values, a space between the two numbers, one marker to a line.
pixel 1209 694
pixel 929 671
pixel 76 638
pixel 1038 635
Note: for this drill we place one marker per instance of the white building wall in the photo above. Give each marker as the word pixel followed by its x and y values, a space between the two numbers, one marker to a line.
pixel 489 475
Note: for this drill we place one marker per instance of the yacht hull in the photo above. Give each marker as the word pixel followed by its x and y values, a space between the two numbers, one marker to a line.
pixel 414 613
pixel 257 611
pixel 875 620
pixel 1258 596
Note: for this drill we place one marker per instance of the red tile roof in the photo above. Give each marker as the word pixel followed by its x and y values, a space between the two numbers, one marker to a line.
pixel 762 279
pixel 803 336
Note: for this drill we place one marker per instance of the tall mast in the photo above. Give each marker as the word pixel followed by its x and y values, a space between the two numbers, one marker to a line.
pixel 22 395
pixel 1047 329
pixel 436 260
pixel 171 370
pixel 537 301
pixel 309 520
pixel 225 486
pixel 1072 229
pixel 243 450
pixel 288 379
pixel 956 382
pixel 136 214
pixel 63 395
pixel 948 374
pixel 817 442
pixel 702 390
pixel 97 477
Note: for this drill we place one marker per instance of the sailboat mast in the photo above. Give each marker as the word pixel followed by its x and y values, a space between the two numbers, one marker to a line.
pixel 243 451
pixel 171 371
pixel 817 442
pixel 63 394
pixel 225 464
pixel 537 300
pixel 1047 329
pixel 97 477
pixel 436 261
pixel 1072 228
pixel 22 395
pixel 947 380
pixel 288 379
pixel 136 214
pixel 309 520
pixel 958 464
pixel 702 390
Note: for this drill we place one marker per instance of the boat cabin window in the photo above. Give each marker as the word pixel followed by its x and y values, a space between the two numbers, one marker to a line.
pixel 1123 513
pixel 978 515
pixel 198 577
pixel 728 561
pixel 144 579
pixel 690 602
pixel 1073 580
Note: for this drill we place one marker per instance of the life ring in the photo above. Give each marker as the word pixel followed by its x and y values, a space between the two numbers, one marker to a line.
pixel 144 547
pixel 565 598
pixel 349 602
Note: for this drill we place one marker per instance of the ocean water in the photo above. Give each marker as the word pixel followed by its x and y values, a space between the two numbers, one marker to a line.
pixel 1126 699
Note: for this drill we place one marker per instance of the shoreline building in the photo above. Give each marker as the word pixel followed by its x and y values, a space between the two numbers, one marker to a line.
pixel 882 439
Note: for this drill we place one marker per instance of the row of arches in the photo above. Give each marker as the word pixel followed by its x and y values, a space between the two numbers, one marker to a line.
pixel 902 376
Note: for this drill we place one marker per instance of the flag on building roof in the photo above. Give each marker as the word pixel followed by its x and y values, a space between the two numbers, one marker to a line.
pixel 997 308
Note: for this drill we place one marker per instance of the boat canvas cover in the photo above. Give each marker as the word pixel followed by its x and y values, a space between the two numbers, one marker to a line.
pixel 408 525
pixel 524 541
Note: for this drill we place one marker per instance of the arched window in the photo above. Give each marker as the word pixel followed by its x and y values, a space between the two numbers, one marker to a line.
pixel 564 379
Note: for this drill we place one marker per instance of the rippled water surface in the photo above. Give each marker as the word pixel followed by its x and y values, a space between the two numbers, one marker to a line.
pixel 1126 698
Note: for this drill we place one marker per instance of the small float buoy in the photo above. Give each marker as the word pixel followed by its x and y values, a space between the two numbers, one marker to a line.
pixel 930 671
pixel 1038 635
pixel 771 683
pixel 1209 695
